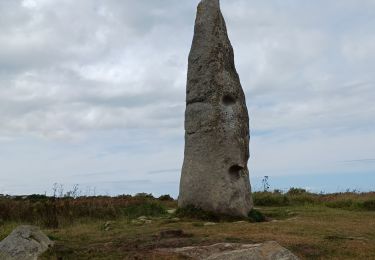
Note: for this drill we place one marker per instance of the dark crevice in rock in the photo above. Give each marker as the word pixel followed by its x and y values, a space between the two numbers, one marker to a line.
pixel 235 171
pixel 228 100
pixel 195 100
pixel 191 133
pixel 203 130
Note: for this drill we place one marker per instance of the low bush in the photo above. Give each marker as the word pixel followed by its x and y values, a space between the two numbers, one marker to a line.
pixel 165 198
pixel 296 191
pixel 303 198
pixel 256 216
pixel 144 195
pixel 369 205
pixel 294 196
pixel 37 197
pixel 151 209
pixel 270 199
pixel 340 204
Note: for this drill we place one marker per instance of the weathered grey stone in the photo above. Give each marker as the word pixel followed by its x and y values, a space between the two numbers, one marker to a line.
pixel 24 243
pixel 232 251
pixel 215 176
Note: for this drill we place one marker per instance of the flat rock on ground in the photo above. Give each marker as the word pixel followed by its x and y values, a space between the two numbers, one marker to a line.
pixel 24 243
pixel 232 251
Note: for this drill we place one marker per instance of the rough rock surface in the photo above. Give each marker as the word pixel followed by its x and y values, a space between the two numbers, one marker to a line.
pixel 215 176
pixel 227 251
pixel 24 243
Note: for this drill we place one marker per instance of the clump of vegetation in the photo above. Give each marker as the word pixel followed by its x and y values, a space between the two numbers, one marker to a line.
pixel 256 216
pixel 340 204
pixel 151 209
pixel 144 195
pixel 296 191
pixel 270 199
pixel 350 204
pixel 165 198
pixel 297 196
pixel 369 204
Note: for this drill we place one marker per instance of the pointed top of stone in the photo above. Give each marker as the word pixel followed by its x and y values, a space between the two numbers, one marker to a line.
pixel 211 3
pixel 210 34
pixel 207 10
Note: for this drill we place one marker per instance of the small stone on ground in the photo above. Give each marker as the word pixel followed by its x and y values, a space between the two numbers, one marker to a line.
pixel 209 224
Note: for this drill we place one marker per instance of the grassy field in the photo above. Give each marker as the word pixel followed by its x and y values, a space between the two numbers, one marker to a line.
pixel 313 226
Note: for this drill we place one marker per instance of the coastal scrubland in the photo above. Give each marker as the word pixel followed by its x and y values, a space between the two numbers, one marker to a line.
pixel 313 226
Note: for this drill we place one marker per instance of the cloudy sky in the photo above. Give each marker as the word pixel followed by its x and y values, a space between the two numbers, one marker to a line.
pixel 93 92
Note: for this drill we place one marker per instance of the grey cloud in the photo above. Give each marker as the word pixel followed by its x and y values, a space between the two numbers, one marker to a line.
pixel 360 161
pixel 74 91
pixel 164 171
pixel 69 67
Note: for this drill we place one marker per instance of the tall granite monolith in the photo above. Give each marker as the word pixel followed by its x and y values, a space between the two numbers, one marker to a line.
pixel 215 175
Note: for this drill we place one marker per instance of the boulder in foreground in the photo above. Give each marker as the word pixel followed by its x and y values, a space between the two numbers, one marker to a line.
pixel 24 243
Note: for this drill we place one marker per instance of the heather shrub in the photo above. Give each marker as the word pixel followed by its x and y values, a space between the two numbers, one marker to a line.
pixel 270 199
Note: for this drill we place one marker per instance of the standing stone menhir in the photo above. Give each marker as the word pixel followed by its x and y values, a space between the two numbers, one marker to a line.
pixel 215 176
